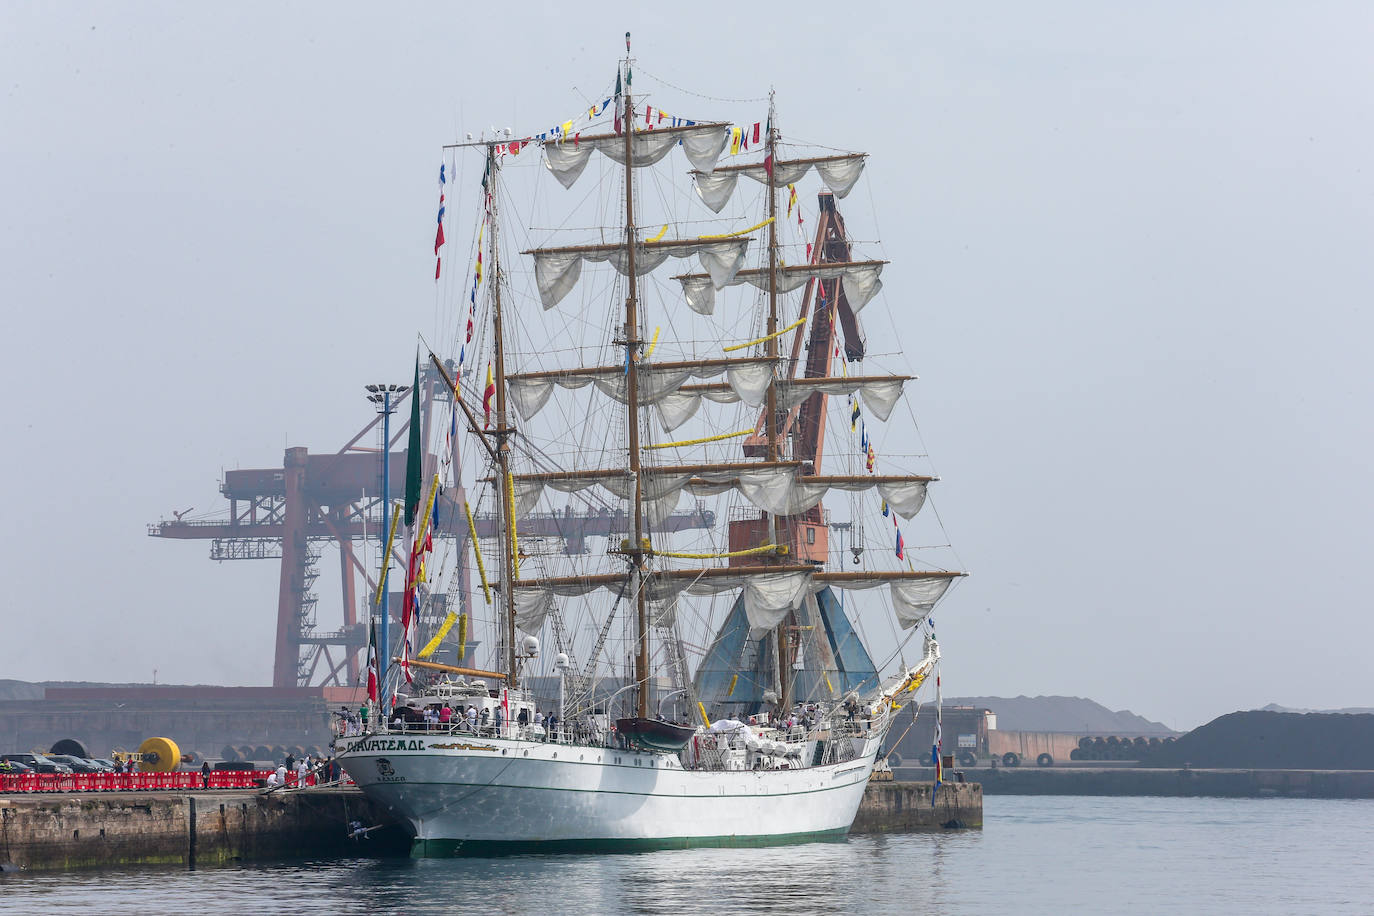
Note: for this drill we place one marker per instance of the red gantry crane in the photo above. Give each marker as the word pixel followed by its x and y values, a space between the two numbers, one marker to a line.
pixel 291 512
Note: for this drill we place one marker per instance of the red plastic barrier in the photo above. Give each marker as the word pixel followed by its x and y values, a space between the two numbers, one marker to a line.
pixel 126 782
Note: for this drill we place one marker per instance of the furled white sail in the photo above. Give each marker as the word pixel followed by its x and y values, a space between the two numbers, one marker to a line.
pixel 768 594
pixel 748 379
pixel 556 270
pixel 702 143
pixel 913 599
pixel 777 488
pixel 839 173
pixel 860 279
pixel 879 393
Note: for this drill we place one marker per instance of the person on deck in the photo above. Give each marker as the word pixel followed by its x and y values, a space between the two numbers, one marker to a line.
pixel 472 719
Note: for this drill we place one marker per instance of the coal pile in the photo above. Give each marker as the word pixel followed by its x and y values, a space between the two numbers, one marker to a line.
pixel 1274 740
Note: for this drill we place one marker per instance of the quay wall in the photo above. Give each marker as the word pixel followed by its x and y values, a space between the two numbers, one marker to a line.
pixel 902 807
pixel 1181 783
pixel 79 830
pixel 192 828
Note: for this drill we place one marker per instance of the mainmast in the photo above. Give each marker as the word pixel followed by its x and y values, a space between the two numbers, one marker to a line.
pixel 784 662
pixel 635 551
pixel 503 432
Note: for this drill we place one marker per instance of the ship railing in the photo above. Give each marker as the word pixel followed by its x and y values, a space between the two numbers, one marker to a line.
pixel 573 734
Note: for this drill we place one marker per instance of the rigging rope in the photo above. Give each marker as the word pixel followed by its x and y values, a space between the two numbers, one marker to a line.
pixel 514 542
pixel 386 557
pixel 743 432
pixel 752 551
pixel 738 232
pixel 476 552
pixel 765 338
pixel 439 635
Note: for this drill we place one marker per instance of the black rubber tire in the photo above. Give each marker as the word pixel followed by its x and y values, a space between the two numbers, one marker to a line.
pixel 1011 759
pixel 1044 760
pixel 70 747
pixel 229 753
pixel 1076 754
pixel 894 759
pixel 967 759
pixel 1085 743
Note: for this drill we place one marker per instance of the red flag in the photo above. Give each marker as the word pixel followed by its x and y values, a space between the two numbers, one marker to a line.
pixel 439 236
pixel 372 665
pixel 437 262
pixel 757 125
pixel 488 396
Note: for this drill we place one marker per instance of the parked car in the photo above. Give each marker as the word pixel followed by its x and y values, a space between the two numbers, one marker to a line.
pixel 106 764
pixel 14 767
pixel 39 763
pixel 77 764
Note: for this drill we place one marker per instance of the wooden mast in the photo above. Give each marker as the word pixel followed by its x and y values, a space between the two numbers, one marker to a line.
pixel 783 631
pixel 503 449
pixel 635 550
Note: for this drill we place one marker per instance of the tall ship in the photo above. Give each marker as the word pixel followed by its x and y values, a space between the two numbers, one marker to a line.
pixel 725 667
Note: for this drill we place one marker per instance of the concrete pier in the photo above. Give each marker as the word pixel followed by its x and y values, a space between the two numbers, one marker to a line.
pixel 189 828
pixel 902 807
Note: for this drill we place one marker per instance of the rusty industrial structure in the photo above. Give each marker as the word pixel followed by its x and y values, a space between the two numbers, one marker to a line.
pixel 292 512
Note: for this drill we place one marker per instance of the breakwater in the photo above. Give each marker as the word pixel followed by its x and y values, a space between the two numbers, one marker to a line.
pixel 1180 783
pixel 78 830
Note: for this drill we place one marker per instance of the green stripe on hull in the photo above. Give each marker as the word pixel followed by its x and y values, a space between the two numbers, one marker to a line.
pixel 438 849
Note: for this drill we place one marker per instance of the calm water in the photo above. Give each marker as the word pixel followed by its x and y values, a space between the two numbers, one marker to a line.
pixel 1035 855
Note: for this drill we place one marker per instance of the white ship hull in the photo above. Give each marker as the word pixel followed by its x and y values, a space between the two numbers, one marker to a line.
pixel 476 796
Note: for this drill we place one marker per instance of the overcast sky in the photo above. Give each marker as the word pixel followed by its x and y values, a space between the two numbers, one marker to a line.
pixel 1131 247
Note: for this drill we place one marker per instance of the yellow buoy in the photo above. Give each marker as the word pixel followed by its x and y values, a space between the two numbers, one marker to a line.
pixel 158 755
